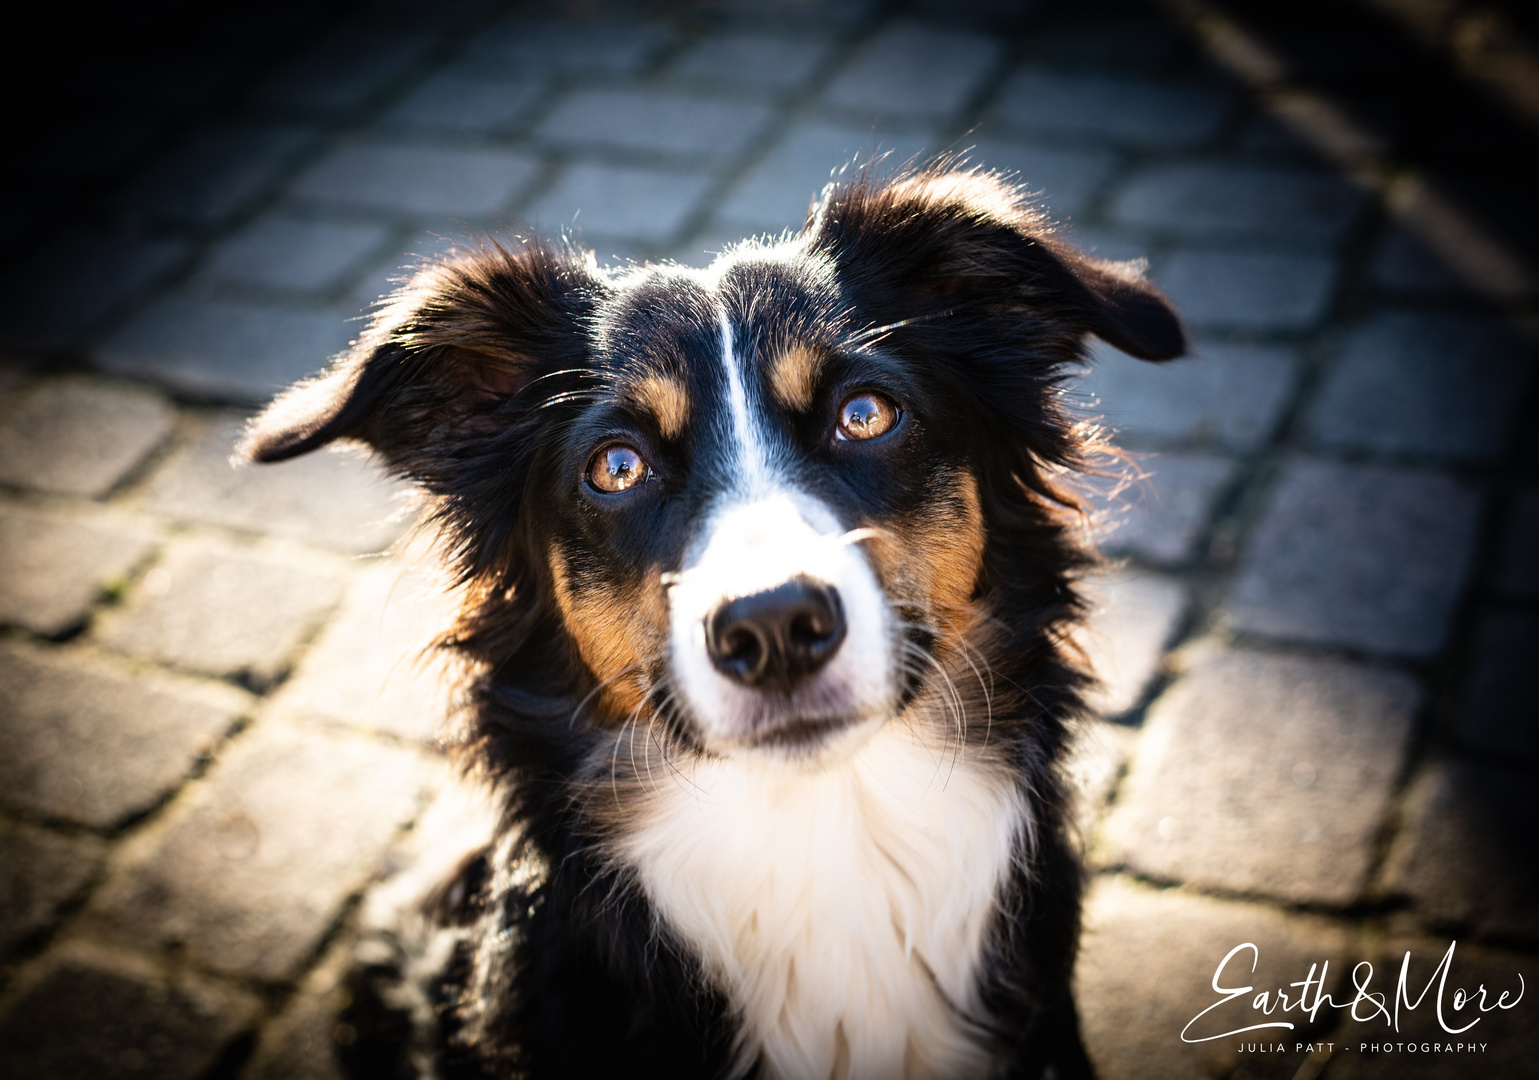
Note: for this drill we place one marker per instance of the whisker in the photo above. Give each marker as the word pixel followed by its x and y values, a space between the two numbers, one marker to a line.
pixel 652 739
pixel 958 709
pixel 870 334
pixel 614 762
pixel 651 785
pixel 667 703
pixel 964 649
pixel 571 396
pixel 634 666
pixel 855 536
pixel 958 643
pixel 580 372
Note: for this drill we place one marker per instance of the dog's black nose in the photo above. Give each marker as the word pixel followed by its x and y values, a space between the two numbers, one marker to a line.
pixel 774 639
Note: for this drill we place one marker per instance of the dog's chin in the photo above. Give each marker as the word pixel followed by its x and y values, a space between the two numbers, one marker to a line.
pixel 815 741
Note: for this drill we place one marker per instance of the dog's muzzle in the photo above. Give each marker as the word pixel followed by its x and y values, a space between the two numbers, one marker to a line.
pixel 778 638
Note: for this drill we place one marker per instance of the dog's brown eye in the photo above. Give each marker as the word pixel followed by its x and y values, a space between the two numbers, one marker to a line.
pixel 617 468
pixel 866 415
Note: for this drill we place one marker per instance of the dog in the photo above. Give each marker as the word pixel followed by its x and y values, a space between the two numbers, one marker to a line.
pixel 769 573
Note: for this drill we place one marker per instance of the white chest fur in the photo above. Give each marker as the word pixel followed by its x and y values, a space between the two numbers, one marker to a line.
pixel 843 909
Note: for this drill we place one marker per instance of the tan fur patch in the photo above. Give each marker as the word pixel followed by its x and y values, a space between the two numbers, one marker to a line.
pixel 793 375
pixel 667 399
pixel 603 624
pixel 933 561
pixel 951 543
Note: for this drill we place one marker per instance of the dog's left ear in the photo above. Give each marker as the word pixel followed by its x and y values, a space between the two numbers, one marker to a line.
pixel 443 366
pixel 964 245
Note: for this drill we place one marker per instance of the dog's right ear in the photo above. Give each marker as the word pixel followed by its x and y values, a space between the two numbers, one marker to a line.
pixel 443 364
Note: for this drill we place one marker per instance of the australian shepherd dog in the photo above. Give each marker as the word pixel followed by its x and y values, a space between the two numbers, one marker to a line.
pixel 769 574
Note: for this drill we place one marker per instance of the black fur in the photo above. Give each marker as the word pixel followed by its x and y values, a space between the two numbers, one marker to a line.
pixel 488 381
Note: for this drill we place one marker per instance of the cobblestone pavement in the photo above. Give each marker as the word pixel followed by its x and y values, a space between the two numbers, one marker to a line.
pixel 214 734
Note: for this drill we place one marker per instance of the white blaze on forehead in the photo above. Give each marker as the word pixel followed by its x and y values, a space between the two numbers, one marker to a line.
pixel 749 442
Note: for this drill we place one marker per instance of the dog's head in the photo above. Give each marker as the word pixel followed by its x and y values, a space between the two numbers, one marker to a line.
pixel 767 501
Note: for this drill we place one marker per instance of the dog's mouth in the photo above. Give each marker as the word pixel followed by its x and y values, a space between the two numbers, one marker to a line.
pixel 793 726
pixel 800 734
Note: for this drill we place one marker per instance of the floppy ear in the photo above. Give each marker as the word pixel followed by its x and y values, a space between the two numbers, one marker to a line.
pixel 444 365
pixel 964 245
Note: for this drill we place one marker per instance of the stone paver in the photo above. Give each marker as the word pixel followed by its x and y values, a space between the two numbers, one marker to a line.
pixel 53 569
pixel 748 59
pixel 94 743
pixel 301 1043
pixel 1262 292
pixel 654 122
pixel 913 70
pixel 1137 938
pixel 1095 764
pixel 40 870
pixel 372 667
pixel 655 210
pixel 1497 711
pixel 1160 513
pixel 1416 383
pixel 522 44
pixel 418 179
pixel 1133 619
pixel 460 100
pixel 218 609
pixel 251 871
pixel 338 500
pixel 292 253
pixel 95 1013
pixel 74 437
pixel 1233 395
pixel 1267 774
pixel 1099 109
pixel 223 350
pixel 1464 856
pixel 1228 199
pixel 1315 569
pixel 777 192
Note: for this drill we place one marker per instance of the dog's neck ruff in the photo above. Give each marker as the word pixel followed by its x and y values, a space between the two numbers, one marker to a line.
pixel 843 910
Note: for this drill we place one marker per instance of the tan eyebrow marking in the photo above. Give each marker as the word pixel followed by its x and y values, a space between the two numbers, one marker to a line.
pixel 792 375
pixel 668 400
